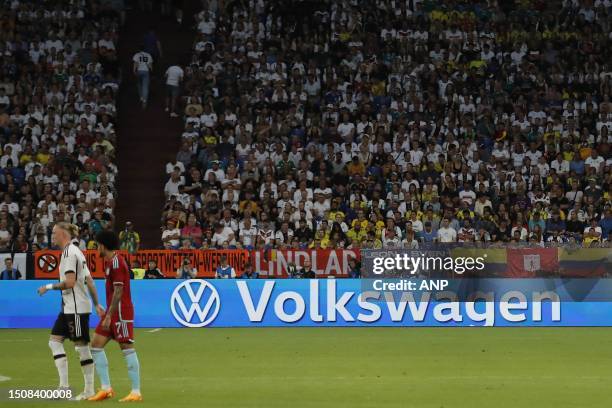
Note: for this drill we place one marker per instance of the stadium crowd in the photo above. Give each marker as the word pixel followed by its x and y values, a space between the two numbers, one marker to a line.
pixel 58 79
pixel 391 123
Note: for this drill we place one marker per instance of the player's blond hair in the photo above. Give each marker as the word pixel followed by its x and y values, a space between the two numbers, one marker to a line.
pixel 71 229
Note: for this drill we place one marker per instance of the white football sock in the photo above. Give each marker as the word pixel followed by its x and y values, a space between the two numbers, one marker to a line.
pixel 87 367
pixel 61 362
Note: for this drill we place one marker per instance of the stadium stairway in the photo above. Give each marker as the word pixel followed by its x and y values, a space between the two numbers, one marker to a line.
pixel 147 139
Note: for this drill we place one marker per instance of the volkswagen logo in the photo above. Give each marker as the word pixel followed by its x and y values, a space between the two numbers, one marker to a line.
pixel 195 303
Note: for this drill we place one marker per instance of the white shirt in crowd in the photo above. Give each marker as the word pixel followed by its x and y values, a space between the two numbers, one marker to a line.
pixel 248 236
pixel 174 75
pixel 447 234
pixel 220 237
pixel 170 167
pixel 172 232
pixel 172 187
pixel 143 61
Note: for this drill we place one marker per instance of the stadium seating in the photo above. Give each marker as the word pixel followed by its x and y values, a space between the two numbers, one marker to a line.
pixel 365 124
pixel 59 75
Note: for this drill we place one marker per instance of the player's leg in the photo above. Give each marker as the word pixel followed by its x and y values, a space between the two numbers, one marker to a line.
pixel 124 334
pixel 100 340
pixel 81 345
pixel 133 366
pixel 56 343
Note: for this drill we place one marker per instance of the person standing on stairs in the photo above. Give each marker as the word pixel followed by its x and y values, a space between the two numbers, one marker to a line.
pixel 152 45
pixel 174 76
pixel 178 10
pixel 143 65
pixel 168 6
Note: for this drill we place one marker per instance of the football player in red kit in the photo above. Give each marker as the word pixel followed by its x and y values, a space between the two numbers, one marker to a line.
pixel 118 322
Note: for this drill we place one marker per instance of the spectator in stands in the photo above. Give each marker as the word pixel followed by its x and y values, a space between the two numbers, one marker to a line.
pixel 501 136
pixel 60 86
pixel 186 245
pixel 5 235
pixel 225 270
pixel 248 272
pixel 606 223
pixel 306 272
pixel 41 240
pixel 592 233
pixel 137 271
pixel 152 45
pixel 192 232
pixel 152 271
pixel 10 272
pixel 354 268
pixel 130 239
pixel 222 234
pixel 142 67
pixel 171 235
pixel 446 233
pixel 187 270
pixel 174 77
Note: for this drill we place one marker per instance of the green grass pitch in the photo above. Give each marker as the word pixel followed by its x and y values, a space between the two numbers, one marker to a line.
pixel 339 367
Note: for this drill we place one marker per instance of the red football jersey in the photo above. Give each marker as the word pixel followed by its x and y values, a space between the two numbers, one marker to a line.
pixel 118 273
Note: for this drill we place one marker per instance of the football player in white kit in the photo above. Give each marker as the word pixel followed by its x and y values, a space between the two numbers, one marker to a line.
pixel 73 319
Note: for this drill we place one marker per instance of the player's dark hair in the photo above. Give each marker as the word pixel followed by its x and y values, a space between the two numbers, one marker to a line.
pixel 109 239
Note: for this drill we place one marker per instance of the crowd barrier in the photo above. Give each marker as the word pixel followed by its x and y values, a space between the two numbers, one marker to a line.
pixel 499 262
pixel 321 302
pixel 270 263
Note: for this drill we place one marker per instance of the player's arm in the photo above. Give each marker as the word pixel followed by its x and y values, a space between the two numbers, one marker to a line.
pixel 118 291
pixel 112 309
pixel 93 293
pixel 67 283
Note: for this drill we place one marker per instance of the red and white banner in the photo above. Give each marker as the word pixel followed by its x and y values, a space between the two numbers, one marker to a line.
pixel 272 263
pixel 325 262
pixel 531 262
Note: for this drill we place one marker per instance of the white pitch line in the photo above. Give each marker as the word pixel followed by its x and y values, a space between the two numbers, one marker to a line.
pixel 4 378
pixel 153 331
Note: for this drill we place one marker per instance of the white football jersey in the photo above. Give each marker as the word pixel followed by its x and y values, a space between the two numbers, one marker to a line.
pixel 143 60
pixel 76 299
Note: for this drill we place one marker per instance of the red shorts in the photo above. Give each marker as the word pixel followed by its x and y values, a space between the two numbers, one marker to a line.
pixel 120 330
